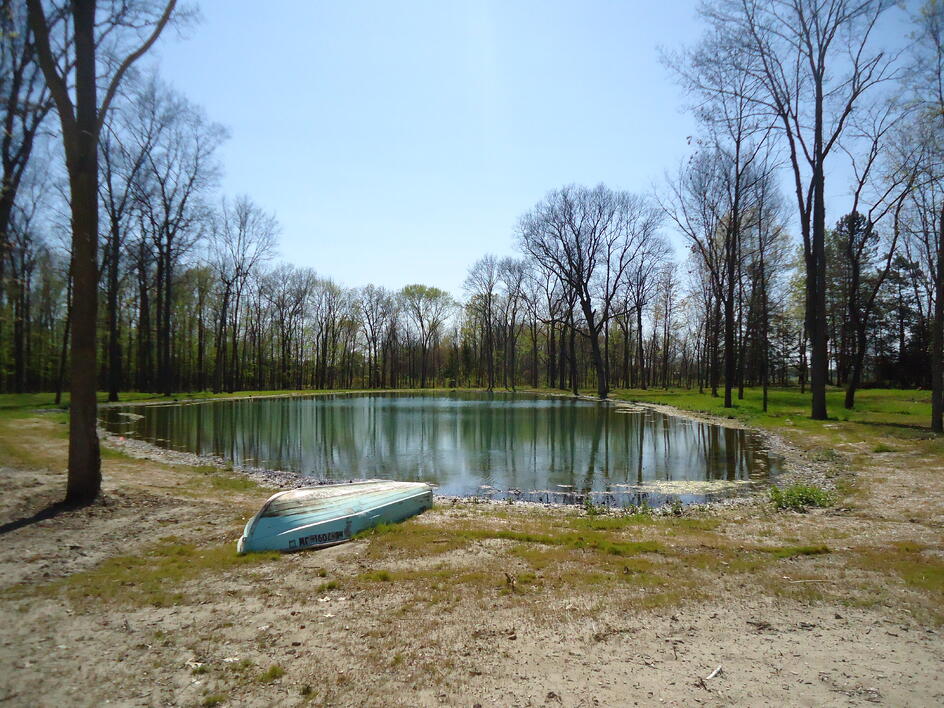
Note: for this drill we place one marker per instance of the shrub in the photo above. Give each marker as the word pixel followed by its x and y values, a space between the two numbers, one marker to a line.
pixel 800 497
pixel 271 674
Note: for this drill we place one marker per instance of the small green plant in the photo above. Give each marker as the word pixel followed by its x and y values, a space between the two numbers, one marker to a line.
pixel 826 455
pixel 330 585
pixel 882 447
pixel 214 700
pixel 676 507
pixel 377 576
pixel 592 509
pixel 271 674
pixel 799 497
pixel 794 551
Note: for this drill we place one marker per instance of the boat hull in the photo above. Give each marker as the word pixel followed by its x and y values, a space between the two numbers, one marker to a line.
pixel 316 517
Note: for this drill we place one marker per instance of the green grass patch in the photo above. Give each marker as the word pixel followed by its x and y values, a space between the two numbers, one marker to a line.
pixel 920 568
pixel 800 497
pixel 155 578
pixel 376 576
pixel 794 551
pixel 273 673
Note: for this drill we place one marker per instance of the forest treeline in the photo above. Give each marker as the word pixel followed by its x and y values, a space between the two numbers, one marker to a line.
pixel 179 288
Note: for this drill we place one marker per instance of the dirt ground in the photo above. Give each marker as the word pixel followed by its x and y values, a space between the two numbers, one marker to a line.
pixel 140 599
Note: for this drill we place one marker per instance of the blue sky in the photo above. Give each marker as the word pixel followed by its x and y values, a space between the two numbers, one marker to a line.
pixel 397 142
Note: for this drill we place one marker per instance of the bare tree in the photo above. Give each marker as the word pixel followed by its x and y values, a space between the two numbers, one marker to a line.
pixel 129 133
pixel 179 167
pixel 512 274
pixel 885 173
pixel 481 286
pixel 81 120
pixel 811 62
pixel 427 308
pixel 24 104
pixel 589 237
pixel 243 238
pixel 927 80
pixel 377 307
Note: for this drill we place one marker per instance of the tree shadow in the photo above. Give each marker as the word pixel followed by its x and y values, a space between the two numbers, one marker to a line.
pixel 48 512
pixel 906 426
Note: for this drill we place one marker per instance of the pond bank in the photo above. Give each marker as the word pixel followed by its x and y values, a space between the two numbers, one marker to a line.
pixel 140 599
pixel 601 449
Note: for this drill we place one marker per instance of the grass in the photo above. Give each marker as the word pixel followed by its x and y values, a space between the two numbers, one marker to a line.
pixel 794 551
pixel 920 568
pixel 535 557
pixel 800 497
pixel 156 578
pixel 273 673
pixel 787 406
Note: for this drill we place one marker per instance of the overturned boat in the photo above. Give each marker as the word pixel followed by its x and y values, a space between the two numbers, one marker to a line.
pixel 314 517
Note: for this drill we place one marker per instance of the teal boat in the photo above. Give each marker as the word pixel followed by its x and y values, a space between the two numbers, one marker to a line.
pixel 315 517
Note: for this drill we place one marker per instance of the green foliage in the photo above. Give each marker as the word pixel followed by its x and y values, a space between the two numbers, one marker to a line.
pixel 271 674
pixel 592 509
pixel 376 576
pixel 799 497
pixel 794 551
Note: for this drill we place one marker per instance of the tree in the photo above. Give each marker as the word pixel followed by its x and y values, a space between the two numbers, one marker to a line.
pixel 244 237
pixel 927 78
pixel 481 285
pixel 179 166
pixel 24 104
pixel 81 121
pixel 427 308
pixel 812 63
pixel 128 136
pixel 589 237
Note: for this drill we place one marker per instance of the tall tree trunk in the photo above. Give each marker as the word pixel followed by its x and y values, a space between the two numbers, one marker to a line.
pixel 19 328
pixel 85 474
pixel 730 363
pixel 66 330
pixel 167 383
pixel 937 338
pixel 114 341
pixel 640 359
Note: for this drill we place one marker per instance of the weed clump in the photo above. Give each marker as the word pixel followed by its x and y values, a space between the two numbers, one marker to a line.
pixel 591 509
pixel 800 497
pixel 271 674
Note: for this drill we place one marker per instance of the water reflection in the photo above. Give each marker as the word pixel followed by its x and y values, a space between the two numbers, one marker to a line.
pixel 547 449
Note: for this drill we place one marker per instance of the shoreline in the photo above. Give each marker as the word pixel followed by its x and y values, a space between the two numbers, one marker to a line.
pixel 796 466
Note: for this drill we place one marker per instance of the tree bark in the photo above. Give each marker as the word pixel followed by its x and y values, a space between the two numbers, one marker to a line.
pixel 937 338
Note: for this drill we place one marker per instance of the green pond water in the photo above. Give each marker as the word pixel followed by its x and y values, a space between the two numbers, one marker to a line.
pixel 501 445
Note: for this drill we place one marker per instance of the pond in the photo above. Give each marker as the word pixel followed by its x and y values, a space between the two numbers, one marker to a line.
pixel 500 445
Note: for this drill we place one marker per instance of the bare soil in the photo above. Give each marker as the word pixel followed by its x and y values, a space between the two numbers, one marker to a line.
pixel 437 615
